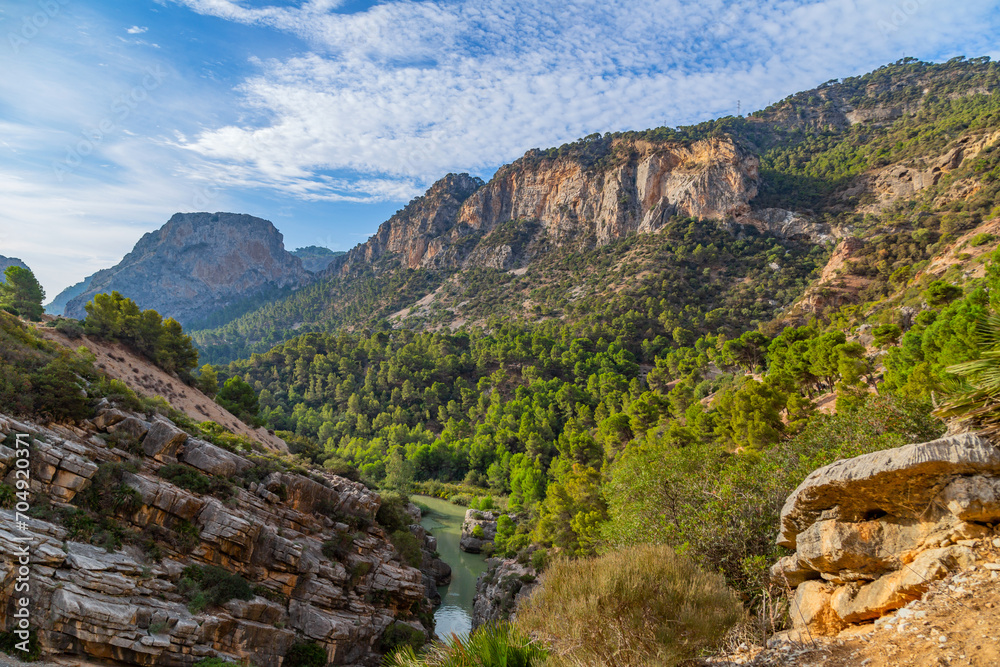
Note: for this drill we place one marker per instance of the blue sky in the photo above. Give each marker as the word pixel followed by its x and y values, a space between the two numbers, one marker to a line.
pixel 326 116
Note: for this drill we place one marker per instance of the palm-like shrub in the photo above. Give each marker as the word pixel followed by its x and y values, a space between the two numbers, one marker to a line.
pixel 490 646
pixel 976 401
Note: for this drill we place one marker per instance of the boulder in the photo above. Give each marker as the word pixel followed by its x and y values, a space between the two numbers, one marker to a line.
pixel 483 519
pixel 163 439
pixel 899 482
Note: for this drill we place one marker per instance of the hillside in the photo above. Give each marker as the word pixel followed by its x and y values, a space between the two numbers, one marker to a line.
pixel 198 267
pixel 147 379
pixel 855 158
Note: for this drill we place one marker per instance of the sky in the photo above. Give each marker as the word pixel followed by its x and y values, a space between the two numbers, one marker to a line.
pixel 326 116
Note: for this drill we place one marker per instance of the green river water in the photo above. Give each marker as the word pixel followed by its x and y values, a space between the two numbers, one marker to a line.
pixel 444 521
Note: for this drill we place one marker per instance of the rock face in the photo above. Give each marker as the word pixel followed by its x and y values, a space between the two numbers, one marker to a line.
pixel 499 590
pixel 472 540
pixel 198 264
pixel 322 569
pixel 872 533
pixel 539 202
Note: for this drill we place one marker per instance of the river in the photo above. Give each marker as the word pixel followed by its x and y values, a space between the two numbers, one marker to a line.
pixel 444 521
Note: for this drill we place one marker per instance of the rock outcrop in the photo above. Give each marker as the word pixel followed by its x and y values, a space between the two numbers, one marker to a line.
pixel 320 568
pixel 872 533
pixel 197 265
pixel 499 590
pixel 479 528
pixel 539 202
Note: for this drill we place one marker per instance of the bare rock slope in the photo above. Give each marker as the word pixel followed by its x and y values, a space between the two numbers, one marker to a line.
pixel 198 264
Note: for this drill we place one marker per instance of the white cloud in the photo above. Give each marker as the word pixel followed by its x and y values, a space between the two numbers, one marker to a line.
pixel 137 30
pixel 407 91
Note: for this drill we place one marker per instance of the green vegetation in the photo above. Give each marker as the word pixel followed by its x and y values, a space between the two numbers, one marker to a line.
pixel 240 399
pixel 21 294
pixel 638 606
pixel 206 585
pixel 498 644
pixel 305 654
pixel 114 317
pixel 188 478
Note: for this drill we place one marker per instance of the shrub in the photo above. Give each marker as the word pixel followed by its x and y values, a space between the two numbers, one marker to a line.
pixel 70 328
pixel 639 606
pixel 392 514
pixel 497 644
pixel 339 547
pixel 214 662
pixel 9 642
pixel 981 239
pixel 539 559
pixel 398 635
pixel 206 585
pixel 477 532
pixel 8 496
pixel 408 546
pixel 305 654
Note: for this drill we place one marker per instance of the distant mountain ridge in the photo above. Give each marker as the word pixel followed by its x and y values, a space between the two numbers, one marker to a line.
pixel 316 258
pixel 6 262
pixel 198 264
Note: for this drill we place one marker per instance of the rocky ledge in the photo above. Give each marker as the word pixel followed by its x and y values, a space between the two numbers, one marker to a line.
pixel 303 553
pixel 872 533
pixel 499 590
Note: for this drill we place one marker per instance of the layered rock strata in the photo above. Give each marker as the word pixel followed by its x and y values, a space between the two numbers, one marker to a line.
pixel 321 569
pixel 871 533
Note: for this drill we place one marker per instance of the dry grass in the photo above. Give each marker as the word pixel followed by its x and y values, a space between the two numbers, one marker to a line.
pixel 638 607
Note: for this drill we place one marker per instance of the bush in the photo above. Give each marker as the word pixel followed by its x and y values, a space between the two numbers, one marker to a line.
pixel 188 478
pixel 205 585
pixel 639 606
pixel 70 328
pixel 981 239
pixel 9 642
pixel 305 654
pixel 408 546
pixel 392 514
pixel 399 635
pixel 497 644
pixel 477 532
pixel 339 547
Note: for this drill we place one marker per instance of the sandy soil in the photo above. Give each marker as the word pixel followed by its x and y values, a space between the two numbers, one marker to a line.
pixel 144 378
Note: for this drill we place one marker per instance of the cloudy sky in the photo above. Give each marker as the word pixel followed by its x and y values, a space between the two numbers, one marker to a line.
pixel 325 116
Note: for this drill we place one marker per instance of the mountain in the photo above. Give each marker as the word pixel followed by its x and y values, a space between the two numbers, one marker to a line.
pixel 58 305
pixel 821 165
pixel 316 258
pixel 6 262
pixel 199 265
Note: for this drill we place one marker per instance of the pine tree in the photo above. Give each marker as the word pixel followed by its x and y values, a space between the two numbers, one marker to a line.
pixel 21 293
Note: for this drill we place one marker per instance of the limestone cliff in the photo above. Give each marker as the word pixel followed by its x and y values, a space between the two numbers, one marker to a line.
pixel 197 265
pixel 304 557
pixel 633 188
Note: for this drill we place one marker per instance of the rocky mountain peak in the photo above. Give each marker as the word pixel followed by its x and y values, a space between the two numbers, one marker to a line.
pixel 198 264
pixel 408 232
